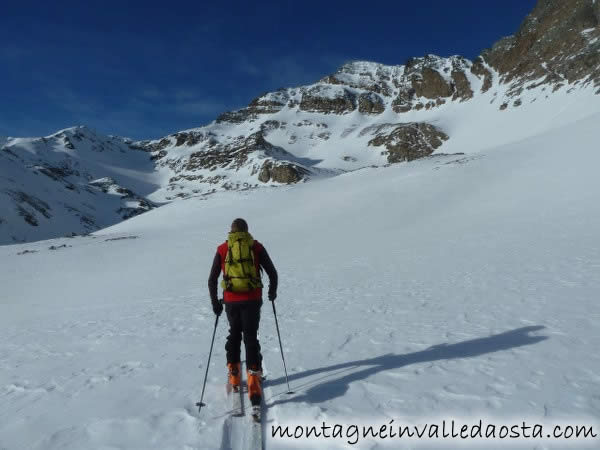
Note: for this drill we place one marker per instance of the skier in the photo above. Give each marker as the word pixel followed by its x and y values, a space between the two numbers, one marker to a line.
pixel 241 259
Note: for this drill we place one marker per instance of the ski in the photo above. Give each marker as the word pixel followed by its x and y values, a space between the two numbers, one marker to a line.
pixel 235 394
pixel 255 437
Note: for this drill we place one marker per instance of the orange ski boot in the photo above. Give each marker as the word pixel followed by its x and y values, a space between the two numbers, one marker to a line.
pixel 254 385
pixel 234 375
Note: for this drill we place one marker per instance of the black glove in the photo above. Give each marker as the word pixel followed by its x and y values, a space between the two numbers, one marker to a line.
pixel 217 307
pixel 272 295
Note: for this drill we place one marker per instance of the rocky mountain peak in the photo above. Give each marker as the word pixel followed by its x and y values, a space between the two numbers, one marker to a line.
pixel 558 43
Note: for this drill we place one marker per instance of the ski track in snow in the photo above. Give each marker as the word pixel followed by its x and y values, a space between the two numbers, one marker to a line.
pixel 442 288
pixel 236 433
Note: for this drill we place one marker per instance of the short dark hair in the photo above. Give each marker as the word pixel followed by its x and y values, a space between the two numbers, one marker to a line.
pixel 239 225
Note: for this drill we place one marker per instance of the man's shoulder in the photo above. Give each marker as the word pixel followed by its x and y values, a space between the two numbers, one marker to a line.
pixel 223 247
pixel 258 246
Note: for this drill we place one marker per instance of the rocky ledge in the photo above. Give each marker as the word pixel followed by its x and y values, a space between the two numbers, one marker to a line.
pixel 406 141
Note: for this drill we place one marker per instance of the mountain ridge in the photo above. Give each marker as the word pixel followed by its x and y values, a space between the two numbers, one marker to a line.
pixel 364 114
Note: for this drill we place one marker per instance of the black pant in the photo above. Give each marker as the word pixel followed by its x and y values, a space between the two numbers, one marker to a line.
pixel 244 319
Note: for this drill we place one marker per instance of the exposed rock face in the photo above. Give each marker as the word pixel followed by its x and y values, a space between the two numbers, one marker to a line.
pixel 382 89
pixel 422 83
pixel 270 125
pixel 233 156
pixel 263 106
pixel 557 43
pixel 60 174
pixel 322 99
pixel 431 85
pixel 188 138
pixel 370 103
pixel 407 141
pixel 28 205
pixel 238 116
pixel 212 160
pixel 366 76
pixel 430 82
pixel 478 68
pixel 462 86
pixel 269 103
pixel 157 146
pixel 284 173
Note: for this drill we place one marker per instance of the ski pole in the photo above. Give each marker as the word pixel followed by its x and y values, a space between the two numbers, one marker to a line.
pixel 281 348
pixel 200 404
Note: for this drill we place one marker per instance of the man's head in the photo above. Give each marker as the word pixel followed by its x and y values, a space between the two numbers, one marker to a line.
pixel 239 225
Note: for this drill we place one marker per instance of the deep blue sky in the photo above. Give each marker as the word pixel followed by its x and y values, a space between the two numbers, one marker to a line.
pixel 148 69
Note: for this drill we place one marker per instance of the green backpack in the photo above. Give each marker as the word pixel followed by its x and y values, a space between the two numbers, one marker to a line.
pixel 240 271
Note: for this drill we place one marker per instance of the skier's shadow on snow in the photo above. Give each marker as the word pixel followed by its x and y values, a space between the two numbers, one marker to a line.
pixel 336 378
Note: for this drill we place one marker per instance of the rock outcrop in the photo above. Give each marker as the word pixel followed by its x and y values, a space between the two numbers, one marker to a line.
pixel 284 173
pixel 558 43
pixel 406 141
pixel 429 83
pixel 328 100
pixel 370 103
pixel 269 103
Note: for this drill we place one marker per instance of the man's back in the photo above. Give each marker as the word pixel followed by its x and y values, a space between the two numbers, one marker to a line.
pixel 240 260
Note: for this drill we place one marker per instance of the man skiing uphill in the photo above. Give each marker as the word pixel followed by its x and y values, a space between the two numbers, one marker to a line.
pixel 240 259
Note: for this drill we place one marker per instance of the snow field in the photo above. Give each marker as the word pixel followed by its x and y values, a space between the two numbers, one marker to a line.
pixel 451 286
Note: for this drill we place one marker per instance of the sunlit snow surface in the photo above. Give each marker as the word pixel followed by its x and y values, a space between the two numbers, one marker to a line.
pixel 452 286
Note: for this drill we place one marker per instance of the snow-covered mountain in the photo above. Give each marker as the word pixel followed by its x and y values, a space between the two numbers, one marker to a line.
pixel 365 114
pixel 73 181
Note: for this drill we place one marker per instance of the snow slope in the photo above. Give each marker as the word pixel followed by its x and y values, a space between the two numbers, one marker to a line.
pixel 74 181
pixel 454 286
